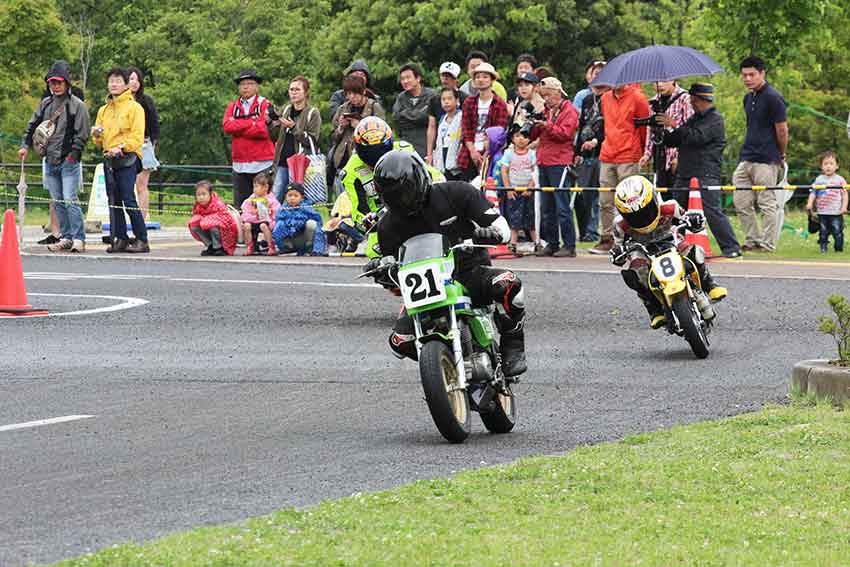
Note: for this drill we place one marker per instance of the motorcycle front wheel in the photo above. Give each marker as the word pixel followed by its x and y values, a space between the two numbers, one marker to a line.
pixel 690 325
pixel 448 404
pixel 502 418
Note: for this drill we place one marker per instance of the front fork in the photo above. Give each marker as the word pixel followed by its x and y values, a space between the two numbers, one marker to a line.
pixel 457 345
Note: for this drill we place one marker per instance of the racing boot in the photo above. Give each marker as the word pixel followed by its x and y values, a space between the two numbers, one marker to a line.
pixel 657 318
pixel 714 291
pixel 512 348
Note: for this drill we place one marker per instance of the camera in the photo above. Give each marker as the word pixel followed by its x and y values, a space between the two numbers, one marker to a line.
pixel 272 113
pixel 658 107
pixel 531 116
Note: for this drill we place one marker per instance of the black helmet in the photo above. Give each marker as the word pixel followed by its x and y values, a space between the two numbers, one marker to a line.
pixel 402 181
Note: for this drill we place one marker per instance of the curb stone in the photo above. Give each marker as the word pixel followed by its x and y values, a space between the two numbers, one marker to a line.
pixel 821 379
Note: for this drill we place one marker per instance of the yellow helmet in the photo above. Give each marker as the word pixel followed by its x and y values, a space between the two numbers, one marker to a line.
pixel 372 139
pixel 638 203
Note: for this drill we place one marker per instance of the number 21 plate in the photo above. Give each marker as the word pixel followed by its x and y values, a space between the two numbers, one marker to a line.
pixel 422 285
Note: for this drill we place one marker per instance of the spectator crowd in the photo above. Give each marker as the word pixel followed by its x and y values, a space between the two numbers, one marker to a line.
pixel 472 128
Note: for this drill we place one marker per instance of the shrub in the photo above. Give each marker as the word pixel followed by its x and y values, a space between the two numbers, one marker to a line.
pixel 838 327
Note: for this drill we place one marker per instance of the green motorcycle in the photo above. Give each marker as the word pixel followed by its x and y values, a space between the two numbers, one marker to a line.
pixel 459 359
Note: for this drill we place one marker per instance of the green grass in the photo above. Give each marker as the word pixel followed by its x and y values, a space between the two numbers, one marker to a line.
pixel 768 488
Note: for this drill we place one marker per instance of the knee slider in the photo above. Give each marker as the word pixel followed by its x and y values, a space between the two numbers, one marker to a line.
pixel 632 279
pixel 508 291
pixel 403 345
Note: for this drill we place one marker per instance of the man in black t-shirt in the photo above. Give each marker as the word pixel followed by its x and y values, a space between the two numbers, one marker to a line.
pixel 762 157
pixel 459 211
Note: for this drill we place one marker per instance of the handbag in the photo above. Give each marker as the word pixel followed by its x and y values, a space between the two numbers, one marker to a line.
pixel 313 171
pixel 44 131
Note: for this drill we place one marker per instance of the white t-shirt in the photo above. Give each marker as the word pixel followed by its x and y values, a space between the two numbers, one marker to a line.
pixel 521 167
pixel 480 131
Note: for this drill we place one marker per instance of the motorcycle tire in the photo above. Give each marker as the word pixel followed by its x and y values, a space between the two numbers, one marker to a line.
pixel 449 408
pixel 690 325
pixel 502 418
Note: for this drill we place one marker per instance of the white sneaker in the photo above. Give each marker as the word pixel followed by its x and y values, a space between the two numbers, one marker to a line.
pixel 63 245
pixel 79 246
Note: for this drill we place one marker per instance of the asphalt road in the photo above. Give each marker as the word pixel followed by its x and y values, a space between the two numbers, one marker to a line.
pixel 243 388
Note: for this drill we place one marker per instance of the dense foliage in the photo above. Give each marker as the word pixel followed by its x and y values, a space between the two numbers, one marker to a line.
pixel 195 48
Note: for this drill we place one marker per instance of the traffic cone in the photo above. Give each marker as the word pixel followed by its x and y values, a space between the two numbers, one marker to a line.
pixel 500 251
pixel 695 204
pixel 13 294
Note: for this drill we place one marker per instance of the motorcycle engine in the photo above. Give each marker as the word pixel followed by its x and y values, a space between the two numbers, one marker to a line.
pixel 482 368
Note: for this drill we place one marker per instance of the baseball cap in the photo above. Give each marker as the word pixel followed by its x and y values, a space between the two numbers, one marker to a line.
pixel 528 78
pixel 451 68
pixel 552 83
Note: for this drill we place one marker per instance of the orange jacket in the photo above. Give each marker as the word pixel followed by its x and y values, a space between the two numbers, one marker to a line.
pixel 624 143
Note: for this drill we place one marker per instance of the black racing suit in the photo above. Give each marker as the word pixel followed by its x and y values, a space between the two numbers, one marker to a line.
pixel 455 209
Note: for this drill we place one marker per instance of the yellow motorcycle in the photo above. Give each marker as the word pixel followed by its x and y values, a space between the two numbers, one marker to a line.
pixel 675 281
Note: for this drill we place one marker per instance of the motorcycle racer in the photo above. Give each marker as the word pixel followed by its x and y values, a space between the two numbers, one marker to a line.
pixel 373 138
pixel 645 218
pixel 459 211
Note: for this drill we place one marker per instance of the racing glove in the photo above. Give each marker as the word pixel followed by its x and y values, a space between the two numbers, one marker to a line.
pixel 618 255
pixel 694 221
pixel 487 235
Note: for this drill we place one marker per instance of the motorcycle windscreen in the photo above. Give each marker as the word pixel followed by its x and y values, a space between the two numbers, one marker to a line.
pixel 423 247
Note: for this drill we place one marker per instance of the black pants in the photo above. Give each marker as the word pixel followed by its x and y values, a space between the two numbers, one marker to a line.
pixel 587 175
pixel 243 187
pixel 718 223
pixel 486 285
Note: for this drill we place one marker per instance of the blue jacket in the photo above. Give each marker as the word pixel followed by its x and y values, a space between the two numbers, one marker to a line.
pixel 291 221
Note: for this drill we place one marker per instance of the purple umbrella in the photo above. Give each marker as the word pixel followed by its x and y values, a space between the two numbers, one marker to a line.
pixel 656 63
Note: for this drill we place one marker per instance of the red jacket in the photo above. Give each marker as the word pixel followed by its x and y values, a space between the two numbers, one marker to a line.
pixel 556 138
pixel 496 116
pixel 251 141
pixel 216 215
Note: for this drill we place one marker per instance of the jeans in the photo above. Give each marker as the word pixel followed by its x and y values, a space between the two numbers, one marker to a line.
pixel 121 191
pixel 281 182
pixel 834 225
pixel 211 238
pixel 557 212
pixel 62 181
pixel 587 202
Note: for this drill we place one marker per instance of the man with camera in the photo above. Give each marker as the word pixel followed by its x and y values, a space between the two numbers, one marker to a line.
pixel 673 102
pixel 700 142
pixel 556 131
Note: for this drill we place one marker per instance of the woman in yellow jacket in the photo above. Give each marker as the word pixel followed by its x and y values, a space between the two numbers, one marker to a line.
pixel 120 130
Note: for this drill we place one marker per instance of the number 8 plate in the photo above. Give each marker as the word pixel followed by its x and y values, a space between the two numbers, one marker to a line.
pixel 422 285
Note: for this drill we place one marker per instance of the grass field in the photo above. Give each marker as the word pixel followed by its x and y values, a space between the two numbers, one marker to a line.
pixel 768 488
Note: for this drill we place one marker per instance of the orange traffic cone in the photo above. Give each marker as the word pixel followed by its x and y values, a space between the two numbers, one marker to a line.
pixel 695 204
pixel 13 294
pixel 500 251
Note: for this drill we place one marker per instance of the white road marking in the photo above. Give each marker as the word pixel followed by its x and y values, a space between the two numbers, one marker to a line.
pixel 40 422
pixel 71 276
pixel 126 303
pixel 272 282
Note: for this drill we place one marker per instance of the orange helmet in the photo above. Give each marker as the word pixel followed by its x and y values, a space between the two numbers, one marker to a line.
pixel 372 139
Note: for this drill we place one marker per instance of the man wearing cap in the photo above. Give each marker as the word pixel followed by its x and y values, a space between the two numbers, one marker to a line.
pixel 62 151
pixel 480 111
pixel 700 141
pixel 410 109
pixel 590 72
pixel 554 154
pixel 449 74
pixel 252 147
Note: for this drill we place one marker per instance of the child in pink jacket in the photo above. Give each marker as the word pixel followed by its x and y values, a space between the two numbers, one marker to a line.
pixel 258 214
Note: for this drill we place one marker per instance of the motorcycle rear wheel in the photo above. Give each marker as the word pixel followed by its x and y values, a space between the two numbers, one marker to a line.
pixel 689 322
pixel 502 418
pixel 449 405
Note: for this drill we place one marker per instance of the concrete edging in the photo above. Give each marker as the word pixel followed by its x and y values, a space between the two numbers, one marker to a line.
pixel 822 379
